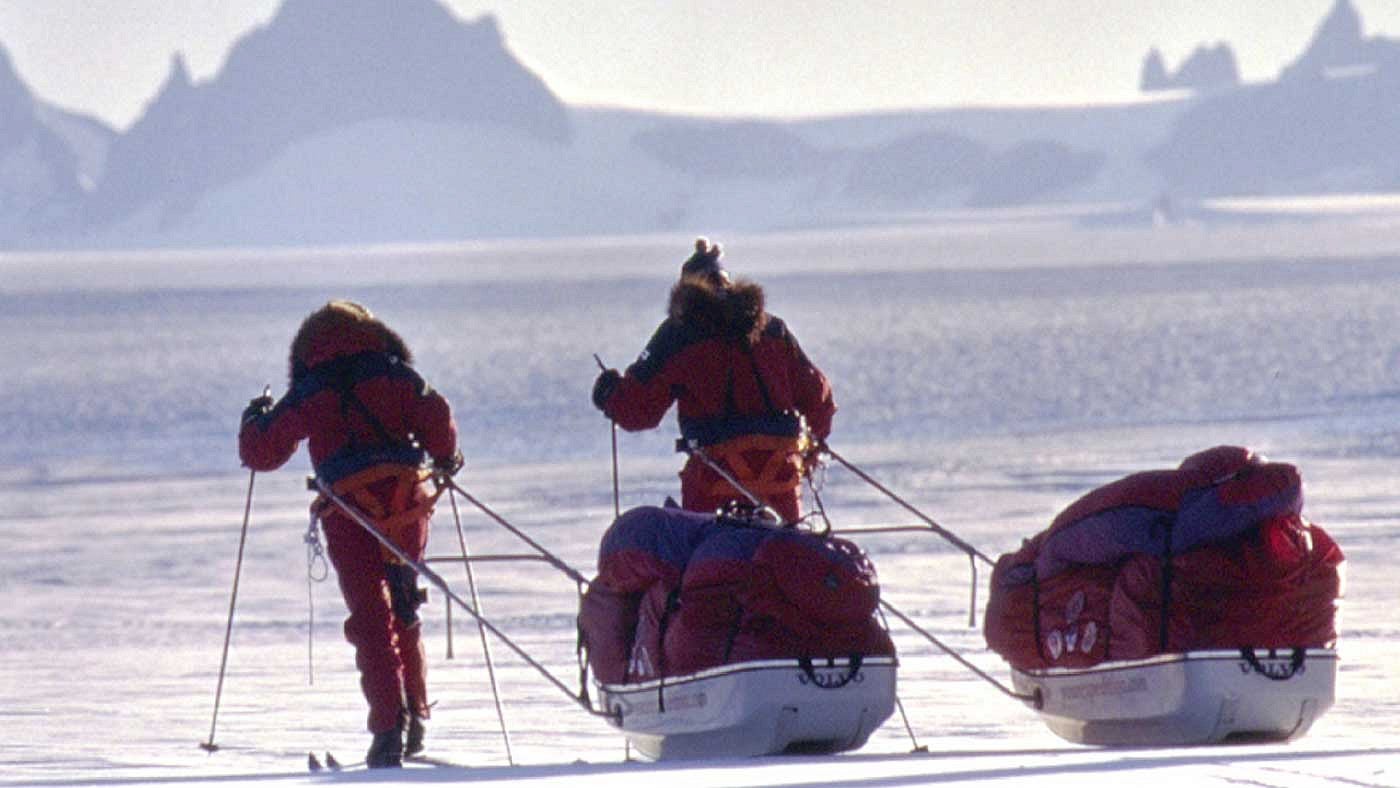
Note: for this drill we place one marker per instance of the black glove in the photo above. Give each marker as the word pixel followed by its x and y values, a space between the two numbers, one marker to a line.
pixel 603 388
pixel 258 406
pixel 450 465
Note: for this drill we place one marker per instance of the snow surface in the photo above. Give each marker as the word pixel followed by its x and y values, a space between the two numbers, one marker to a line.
pixel 990 372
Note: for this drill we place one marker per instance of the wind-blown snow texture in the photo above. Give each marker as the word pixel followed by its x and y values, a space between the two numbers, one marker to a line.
pixel 990 374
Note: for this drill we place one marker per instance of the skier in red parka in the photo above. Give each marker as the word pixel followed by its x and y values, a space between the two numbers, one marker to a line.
pixel 747 397
pixel 372 425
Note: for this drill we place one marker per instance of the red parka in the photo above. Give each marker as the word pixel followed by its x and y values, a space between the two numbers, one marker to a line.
pixel 734 372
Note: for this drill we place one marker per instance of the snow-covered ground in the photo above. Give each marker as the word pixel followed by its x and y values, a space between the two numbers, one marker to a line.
pixel 991 373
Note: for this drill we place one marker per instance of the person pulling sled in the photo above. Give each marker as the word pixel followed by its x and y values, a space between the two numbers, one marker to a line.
pixel 376 433
pixel 751 405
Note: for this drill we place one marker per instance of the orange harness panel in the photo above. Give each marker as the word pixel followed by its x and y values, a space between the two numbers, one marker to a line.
pixel 766 465
pixel 393 512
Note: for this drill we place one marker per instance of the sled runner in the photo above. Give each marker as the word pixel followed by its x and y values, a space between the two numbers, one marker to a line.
pixel 1182 606
pixel 1199 697
pixel 763 707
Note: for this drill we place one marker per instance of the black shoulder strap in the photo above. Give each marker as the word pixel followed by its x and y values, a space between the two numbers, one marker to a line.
pixel 731 407
pixel 343 378
pixel 762 384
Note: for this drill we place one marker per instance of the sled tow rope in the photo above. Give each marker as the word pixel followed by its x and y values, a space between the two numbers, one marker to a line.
pixel 548 557
pixel 947 535
pixel 1035 699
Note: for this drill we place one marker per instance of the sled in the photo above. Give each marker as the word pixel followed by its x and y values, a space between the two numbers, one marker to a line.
pixel 764 707
pixel 1196 697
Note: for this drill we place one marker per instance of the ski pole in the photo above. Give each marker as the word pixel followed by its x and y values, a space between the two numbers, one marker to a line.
pixel 210 746
pixel 617 498
pixel 481 628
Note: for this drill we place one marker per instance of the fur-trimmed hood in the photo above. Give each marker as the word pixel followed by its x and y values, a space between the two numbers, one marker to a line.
pixel 342 328
pixel 733 311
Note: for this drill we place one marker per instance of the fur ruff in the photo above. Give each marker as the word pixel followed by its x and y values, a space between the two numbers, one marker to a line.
pixel 733 312
pixel 342 328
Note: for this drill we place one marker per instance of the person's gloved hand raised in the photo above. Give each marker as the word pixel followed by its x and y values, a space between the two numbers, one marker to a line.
pixel 603 388
pixel 258 406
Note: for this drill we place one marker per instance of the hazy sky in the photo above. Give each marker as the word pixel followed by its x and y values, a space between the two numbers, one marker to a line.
pixel 747 57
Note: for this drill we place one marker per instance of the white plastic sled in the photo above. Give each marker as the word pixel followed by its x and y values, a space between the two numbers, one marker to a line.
pixel 756 708
pixel 1198 697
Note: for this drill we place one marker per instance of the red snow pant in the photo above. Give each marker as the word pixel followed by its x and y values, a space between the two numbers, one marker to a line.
pixel 388 653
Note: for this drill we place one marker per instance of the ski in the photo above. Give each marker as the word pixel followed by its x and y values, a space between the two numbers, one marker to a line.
pixel 431 761
pixel 329 763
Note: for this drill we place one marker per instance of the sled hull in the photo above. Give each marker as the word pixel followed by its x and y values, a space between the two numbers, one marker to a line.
pixel 756 708
pixel 1198 697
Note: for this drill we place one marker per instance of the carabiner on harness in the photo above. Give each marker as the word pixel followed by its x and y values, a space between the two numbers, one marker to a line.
pixel 317 570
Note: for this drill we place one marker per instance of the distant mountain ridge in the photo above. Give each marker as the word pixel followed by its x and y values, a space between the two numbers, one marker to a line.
pixel 364 121
pixel 319 65
pixel 43 169
pixel 1208 68
pixel 1327 123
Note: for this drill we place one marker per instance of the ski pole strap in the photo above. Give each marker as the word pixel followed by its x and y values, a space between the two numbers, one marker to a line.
pixel 949 536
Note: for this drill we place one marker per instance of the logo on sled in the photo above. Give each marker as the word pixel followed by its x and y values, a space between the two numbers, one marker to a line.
pixel 1079 635
pixel 1273 667
pixel 831 678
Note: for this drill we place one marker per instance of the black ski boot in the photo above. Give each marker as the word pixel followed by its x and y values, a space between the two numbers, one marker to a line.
pixel 413 742
pixel 386 751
